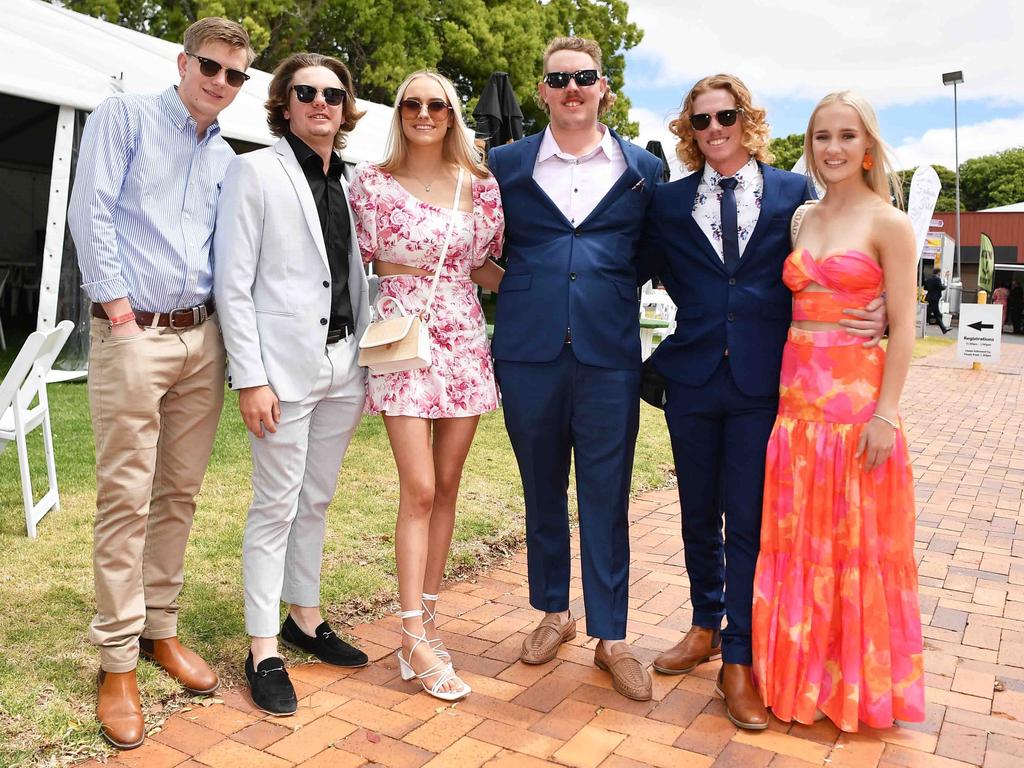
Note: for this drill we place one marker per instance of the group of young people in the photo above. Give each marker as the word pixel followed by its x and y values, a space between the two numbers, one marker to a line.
pixel 188 251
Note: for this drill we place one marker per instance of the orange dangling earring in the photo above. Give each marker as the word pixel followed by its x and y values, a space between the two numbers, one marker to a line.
pixel 868 162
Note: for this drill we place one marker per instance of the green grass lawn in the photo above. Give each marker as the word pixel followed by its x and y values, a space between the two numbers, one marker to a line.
pixel 47 667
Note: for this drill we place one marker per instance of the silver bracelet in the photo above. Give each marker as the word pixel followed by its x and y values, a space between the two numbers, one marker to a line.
pixel 890 422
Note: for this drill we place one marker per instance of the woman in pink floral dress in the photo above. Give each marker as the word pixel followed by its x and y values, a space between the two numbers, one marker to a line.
pixel 403 209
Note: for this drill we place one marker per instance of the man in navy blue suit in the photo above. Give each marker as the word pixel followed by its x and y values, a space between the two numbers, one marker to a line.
pixel 567 346
pixel 718 239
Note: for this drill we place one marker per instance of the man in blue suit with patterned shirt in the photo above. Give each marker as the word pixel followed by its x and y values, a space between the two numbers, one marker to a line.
pixel 567 346
pixel 718 239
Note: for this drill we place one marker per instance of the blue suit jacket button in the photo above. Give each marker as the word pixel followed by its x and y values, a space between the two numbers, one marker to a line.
pixel 732 281
pixel 730 317
pixel 572 275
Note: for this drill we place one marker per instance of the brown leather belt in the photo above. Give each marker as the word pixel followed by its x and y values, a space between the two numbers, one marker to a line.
pixel 184 317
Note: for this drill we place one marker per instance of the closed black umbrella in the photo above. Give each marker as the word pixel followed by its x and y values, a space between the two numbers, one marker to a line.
pixel 499 119
pixel 654 147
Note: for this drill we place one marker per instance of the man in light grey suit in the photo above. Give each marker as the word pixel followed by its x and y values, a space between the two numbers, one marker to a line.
pixel 292 299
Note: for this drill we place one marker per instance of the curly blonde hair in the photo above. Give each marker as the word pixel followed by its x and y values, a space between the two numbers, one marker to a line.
pixel 883 179
pixel 756 131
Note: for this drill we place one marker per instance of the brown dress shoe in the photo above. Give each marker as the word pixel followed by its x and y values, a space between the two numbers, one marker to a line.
pixel 698 646
pixel 119 710
pixel 742 704
pixel 183 665
pixel 628 676
pixel 541 645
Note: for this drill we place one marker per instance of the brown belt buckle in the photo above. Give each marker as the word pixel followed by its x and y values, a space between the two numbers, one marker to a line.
pixel 197 314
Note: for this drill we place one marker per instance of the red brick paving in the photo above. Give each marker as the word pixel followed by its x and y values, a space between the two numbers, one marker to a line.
pixel 963 427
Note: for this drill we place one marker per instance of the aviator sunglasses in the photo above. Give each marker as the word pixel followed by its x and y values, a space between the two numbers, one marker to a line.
pixel 333 96
pixel 583 78
pixel 411 108
pixel 725 117
pixel 210 68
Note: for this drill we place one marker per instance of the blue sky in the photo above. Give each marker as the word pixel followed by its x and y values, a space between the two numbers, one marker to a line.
pixel 792 52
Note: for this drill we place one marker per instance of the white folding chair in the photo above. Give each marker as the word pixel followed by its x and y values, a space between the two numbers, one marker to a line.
pixel 25 382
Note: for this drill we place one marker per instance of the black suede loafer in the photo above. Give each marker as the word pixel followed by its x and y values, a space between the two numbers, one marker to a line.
pixel 326 646
pixel 271 688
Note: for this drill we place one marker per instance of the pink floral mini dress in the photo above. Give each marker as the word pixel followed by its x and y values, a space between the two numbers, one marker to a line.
pixel 392 225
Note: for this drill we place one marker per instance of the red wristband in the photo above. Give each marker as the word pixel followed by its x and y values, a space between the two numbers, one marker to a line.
pixel 128 317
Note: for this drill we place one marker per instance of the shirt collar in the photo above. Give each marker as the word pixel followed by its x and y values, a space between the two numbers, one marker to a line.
pixel 179 114
pixel 304 154
pixel 549 147
pixel 745 176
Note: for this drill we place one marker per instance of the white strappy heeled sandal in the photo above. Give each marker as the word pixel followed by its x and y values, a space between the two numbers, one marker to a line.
pixel 437 644
pixel 443 672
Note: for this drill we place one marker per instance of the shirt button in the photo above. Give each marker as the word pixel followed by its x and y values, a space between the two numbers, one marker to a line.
pixel 576 233
pixel 323 321
pixel 732 281
pixel 730 317
pixel 326 284
pixel 572 275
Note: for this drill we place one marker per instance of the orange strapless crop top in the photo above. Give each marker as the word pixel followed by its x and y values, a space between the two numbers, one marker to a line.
pixel 850 278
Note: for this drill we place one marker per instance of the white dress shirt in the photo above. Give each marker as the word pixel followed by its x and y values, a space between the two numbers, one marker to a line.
pixel 577 184
pixel 707 207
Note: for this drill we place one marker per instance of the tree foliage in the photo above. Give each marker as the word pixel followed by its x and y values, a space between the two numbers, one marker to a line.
pixel 383 40
pixel 787 150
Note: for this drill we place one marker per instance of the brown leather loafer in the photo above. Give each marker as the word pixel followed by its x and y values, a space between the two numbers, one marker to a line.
pixel 183 665
pixel 699 645
pixel 628 676
pixel 742 704
pixel 119 710
pixel 541 645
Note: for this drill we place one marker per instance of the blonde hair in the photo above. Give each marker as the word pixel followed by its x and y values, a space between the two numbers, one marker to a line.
pixel 583 45
pixel 457 147
pixel 217 29
pixel 756 131
pixel 882 178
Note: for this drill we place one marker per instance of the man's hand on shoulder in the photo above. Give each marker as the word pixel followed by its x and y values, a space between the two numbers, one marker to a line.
pixel 260 409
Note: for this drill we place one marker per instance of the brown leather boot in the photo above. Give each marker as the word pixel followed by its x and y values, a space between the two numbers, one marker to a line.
pixel 119 710
pixel 742 704
pixel 699 645
pixel 183 665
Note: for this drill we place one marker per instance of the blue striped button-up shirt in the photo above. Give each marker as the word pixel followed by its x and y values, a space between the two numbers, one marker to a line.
pixel 144 202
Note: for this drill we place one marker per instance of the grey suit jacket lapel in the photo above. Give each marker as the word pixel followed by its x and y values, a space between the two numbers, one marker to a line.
pixel 305 196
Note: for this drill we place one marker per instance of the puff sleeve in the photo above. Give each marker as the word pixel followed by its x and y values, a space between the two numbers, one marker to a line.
pixel 363 196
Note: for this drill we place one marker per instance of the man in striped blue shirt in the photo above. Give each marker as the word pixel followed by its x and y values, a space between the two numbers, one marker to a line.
pixel 142 215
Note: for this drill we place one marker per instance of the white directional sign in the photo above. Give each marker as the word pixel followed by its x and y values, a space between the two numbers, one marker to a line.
pixel 981 327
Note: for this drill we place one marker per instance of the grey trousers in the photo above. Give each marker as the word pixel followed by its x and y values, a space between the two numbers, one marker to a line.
pixel 295 471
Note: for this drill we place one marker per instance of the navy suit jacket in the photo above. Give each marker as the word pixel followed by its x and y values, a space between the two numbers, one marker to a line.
pixel 561 276
pixel 746 311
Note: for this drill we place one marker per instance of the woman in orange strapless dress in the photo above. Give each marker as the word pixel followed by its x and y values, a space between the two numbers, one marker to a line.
pixel 836 623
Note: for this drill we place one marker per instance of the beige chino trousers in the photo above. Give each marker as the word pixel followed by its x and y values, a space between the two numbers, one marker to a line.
pixel 155 401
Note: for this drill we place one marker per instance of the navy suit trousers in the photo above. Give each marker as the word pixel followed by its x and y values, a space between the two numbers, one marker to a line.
pixel 554 411
pixel 719 438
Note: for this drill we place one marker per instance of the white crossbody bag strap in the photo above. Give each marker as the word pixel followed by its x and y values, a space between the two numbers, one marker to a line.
pixel 425 314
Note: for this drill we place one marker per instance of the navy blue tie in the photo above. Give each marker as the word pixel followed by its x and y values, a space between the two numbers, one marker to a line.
pixel 730 234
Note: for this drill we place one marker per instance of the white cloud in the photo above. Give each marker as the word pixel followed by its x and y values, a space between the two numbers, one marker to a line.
pixel 892 52
pixel 936 146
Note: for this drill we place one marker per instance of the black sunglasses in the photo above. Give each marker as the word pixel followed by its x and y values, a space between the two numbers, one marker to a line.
pixel 725 117
pixel 235 77
pixel 583 78
pixel 411 108
pixel 333 96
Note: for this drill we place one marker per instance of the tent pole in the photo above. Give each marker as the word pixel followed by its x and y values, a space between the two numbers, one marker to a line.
pixel 56 217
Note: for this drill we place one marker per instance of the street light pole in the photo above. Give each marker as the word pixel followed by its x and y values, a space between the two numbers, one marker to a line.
pixel 954 79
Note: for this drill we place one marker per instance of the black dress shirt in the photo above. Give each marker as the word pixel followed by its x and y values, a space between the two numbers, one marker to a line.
pixel 332 208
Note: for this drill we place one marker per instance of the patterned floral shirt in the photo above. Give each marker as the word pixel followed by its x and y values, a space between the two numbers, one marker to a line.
pixel 707 207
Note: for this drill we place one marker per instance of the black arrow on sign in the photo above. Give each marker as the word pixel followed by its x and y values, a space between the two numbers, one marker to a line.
pixel 980 325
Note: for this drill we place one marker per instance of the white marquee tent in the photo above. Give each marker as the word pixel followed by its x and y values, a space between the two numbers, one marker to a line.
pixel 57 66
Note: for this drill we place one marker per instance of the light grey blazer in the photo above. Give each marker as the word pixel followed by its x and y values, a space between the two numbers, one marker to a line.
pixel 271 276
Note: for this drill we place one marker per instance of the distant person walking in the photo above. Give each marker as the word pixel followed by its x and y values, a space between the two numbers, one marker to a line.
pixel 1015 305
pixel 933 288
